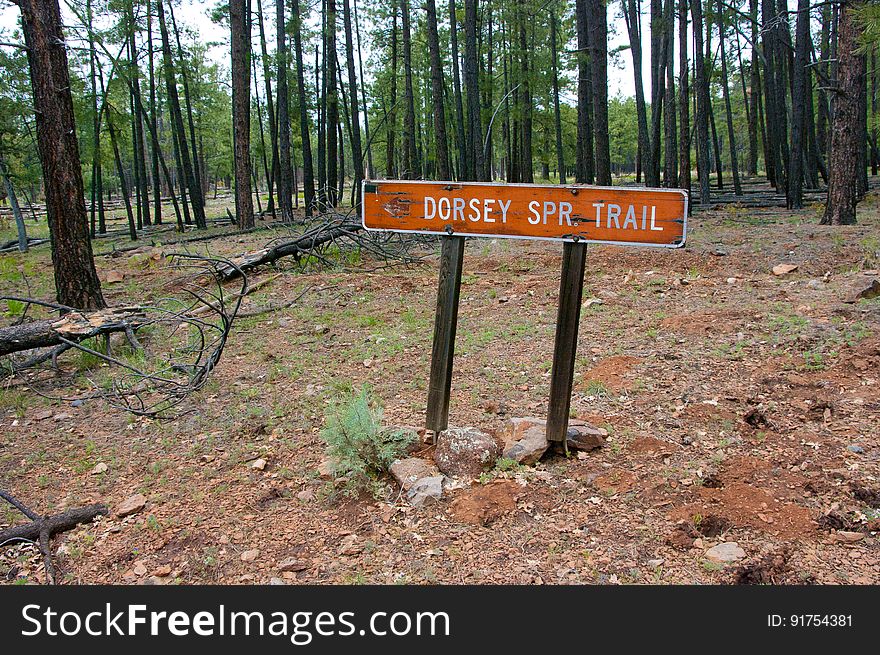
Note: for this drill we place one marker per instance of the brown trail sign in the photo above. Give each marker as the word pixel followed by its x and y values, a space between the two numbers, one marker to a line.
pixel 574 214
pixel 627 216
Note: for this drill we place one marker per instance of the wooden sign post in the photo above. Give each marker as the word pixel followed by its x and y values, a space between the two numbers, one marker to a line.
pixel 574 214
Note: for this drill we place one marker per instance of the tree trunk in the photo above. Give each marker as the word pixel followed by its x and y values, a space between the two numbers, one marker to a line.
pixel 357 32
pixel 357 157
pixel 840 208
pixel 240 42
pixel 442 146
pixel 13 204
pixel 273 173
pixel 179 133
pixel 194 175
pixel 701 91
pixel 670 160
pixel 684 141
pixel 308 166
pixel 285 184
pixel 527 170
pixel 152 126
pixel 598 25
pixel 474 159
pixel 585 166
pixel 755 91
pixel 557 122
pixel 456 86
pixel 140 166
pixel 76 280
pixel 725 89
pixel 631 15
pixel 114 144
pixel 795 194
pixel 409 164
pixel 658 63
pixel 331 119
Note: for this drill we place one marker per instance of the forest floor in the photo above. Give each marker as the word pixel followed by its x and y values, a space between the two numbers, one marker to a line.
pixel 741 406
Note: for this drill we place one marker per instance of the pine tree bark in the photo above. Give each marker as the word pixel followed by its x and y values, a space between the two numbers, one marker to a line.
pixel 437 105
pixel 282 105
pixel 840 207
pixel 631 15
pixel 701 91
pixel 14 206
pixel 585 165
pixel 391 114
pixel 598 26
pixel 186 161
pixel 754 92
pixel 795 195
pixel 76 280
pixel 670 159
pixel 725 89
pixel 240 42
pixel 356 149
pixel 474 136
pixel 195 175
pixel 152 125
pixel 557 121
pixel 684 141
pixel 658 64
pixel 461 139
pixel 273 174
pixel 527 170
pixel 308 165
pixel 410 156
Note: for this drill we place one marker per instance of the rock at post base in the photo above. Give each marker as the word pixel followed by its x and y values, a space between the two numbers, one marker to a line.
pixel 408 471
pixel 584 436
pixel 525 439
pixel 530 447
pixel 427 489
pixel 465 452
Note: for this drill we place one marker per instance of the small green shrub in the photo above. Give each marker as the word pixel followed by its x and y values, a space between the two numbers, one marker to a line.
pixel 360 450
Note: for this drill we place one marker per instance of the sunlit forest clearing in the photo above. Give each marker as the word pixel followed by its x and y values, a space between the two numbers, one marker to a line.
pixel 211 373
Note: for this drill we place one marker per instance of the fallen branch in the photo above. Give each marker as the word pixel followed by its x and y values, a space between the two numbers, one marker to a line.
pixel 41 529
pixel 189 342
pixel 296 247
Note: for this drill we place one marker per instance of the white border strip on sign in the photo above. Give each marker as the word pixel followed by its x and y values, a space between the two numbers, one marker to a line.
pixel 457 233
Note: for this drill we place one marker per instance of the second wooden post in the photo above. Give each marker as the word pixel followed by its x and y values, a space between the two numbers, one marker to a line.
pixel 571 288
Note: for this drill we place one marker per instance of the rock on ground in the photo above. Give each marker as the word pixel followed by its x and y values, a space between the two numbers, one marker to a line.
pixel 425 490
pixel 528 449
pixel 525 439
pixel 584 436
pixel 131 505
pixel 408 471
pixel 465 452
pixel 726 552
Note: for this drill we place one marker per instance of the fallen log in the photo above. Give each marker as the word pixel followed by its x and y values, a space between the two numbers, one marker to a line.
pixel 73 326
pixel 295 247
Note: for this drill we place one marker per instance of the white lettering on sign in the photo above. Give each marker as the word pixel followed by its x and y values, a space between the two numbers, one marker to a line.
pixel 541 213
pixel 612 215
pixel 491 210
pixel 455 210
